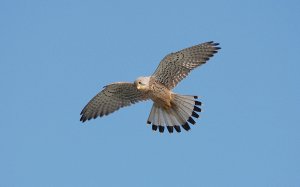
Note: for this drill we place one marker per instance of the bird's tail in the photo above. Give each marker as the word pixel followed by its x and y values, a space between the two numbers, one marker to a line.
pixel 183 108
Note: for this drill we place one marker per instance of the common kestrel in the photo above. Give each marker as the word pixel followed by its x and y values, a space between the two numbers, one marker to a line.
pixel 169 109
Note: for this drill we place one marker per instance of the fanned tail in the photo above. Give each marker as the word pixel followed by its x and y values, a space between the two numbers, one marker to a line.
pixel 183 109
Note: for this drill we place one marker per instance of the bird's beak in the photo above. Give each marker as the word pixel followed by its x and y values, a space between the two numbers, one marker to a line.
pixel 138 86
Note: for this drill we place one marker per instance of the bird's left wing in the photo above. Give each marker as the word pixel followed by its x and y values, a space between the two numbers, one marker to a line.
pixel 111 98
pixel 176 66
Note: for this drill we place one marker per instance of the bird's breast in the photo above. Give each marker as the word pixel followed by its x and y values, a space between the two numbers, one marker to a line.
pixel 160 95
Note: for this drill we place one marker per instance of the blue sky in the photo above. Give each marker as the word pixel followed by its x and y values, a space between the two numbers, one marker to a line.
pixel 56 55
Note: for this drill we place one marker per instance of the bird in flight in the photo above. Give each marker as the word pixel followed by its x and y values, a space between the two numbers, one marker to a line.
pixel 169 109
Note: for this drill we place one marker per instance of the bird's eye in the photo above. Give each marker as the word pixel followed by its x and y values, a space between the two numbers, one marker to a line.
pixel 140 82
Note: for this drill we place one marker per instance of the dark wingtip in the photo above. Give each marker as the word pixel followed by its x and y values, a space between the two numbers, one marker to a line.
pixel 186 127
pixel 154 127
pixel 177 128
pixel 161 129
pixel 197 109
pixel 194 114
pixel 170 129
pixel 148 122
pixel 95 116
pixel 191 120
pixel 195 97
pixel 83 119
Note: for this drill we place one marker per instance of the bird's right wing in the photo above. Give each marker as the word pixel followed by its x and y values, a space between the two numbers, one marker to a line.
pixel 112 98
pixel 176 66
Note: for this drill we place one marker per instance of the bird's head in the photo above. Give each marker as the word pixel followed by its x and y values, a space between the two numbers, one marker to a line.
pixel 142 83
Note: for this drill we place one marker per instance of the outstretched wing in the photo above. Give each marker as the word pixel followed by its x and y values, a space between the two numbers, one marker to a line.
pixel 176 66
pixel 112 98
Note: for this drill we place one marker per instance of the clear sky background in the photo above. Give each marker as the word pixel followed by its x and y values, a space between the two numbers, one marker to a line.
pixel 56 55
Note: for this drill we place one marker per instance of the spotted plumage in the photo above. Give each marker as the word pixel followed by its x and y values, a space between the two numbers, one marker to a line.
pixel 169 109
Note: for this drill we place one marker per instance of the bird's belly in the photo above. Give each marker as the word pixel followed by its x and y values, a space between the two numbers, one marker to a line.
pixel 162 102
pixel 161 97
